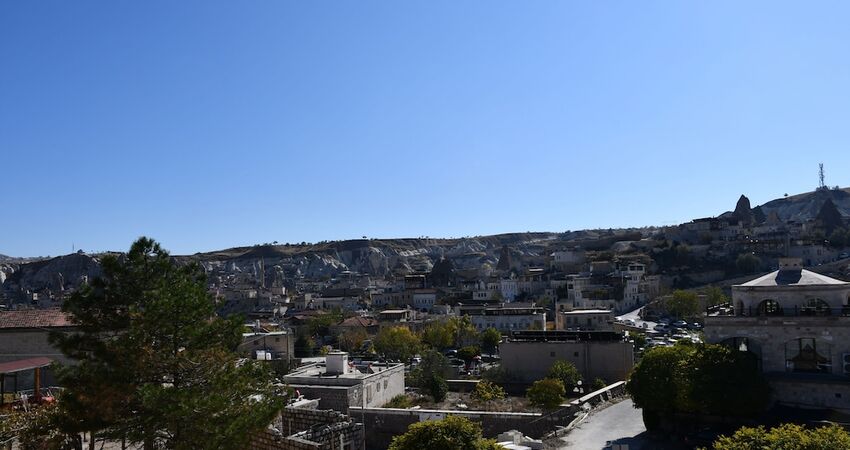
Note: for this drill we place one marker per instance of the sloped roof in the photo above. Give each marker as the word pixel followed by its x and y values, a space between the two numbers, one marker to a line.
pixel 358 321
pixel 801 277
pixel 24 364
pixel 34 318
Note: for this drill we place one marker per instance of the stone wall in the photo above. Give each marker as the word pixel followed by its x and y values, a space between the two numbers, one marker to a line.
pixel 769 339
pixel 337 398
pixel 16 344
pixel 382 424
pixel 306 429
pixel 807 393
pixel 768 336
pixel 530 361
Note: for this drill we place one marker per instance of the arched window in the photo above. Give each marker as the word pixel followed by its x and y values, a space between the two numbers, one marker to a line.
pixel 815 307
pixel 808 355
pixel 769 308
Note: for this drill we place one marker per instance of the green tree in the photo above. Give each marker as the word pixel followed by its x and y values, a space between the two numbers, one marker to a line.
pixel 598 383
pixel 715 296
pixel 547 393
pixel 838 238
pixel 436 386
pixel 652 384
pixel 453 432
pixel 463 330
pixel 639 340
pixel 400 401
pixel 701 379
pixel 155 365
pixel 747 263
pixel 785 437
pixel 490 339
pixel 397 343
pixel 431 374
pixel 468 353
pixel 438 335
pixel 682 304
pixel 566 373
pixel 486 391
pixel 718 380
pixel 305 345
pixel 320 325
pixel 352 340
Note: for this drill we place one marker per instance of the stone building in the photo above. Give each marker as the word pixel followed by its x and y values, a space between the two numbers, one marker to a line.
pixel 25 334
pixel 268 345
pixel 505 317
pixel 797 324
pixel 310 429
pixel 585 320
pixel 596 354
pixel 340 384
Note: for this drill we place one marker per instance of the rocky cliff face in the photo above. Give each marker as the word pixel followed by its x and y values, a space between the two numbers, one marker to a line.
pixel 743 212
pixel 804 207
pixel 381 257
pixel 55 274
pixel 278 262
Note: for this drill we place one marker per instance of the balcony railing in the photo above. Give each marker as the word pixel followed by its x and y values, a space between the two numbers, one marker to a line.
pixel 789 311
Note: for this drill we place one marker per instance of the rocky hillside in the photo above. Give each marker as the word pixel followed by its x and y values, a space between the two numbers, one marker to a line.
pixel 376 257
pixel 380 257
pixel 55 274
pixel 803 207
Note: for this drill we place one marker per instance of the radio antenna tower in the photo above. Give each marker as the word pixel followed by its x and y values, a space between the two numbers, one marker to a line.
pixel 821 185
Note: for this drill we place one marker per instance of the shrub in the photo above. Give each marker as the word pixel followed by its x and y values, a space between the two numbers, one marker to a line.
pixel 598 384
pixel 785 437
pixel 566 373
pixel 486 391
pixel 399 401
pixel 547 393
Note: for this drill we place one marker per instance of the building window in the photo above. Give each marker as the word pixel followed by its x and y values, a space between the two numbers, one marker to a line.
pixel 551 354
pixel 769 308
pixel 575 354
pixel 808 355
pixel 815 307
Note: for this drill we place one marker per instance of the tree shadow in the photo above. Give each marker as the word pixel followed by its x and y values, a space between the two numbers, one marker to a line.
pixel 643 441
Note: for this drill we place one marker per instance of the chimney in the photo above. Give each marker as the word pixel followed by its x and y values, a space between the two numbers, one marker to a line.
pixel 336 363
pixel 790 264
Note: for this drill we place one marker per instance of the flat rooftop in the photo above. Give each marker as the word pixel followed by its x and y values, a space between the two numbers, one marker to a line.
pixel 587 311
pixel 319 371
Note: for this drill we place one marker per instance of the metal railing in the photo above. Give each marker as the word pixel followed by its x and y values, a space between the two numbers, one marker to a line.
pixel 789 311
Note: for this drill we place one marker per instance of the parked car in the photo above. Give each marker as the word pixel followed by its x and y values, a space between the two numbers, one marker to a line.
pixel 662 328
pixel 629 322
pixel 695 326
pixel 680 324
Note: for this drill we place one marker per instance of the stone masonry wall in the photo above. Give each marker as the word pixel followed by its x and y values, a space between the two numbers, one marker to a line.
pixel 306 429
pixel 384 423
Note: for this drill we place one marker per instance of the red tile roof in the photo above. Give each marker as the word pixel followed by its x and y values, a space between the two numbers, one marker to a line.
pixel 359 321
pixel 34 318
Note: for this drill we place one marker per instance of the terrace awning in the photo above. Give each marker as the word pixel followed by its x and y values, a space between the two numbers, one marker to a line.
pixel 24 364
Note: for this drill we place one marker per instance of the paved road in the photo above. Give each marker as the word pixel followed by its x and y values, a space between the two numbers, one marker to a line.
pixel 638 321
pixel 620 423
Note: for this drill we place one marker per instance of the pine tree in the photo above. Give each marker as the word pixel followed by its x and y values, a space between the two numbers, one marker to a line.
pixel 156 366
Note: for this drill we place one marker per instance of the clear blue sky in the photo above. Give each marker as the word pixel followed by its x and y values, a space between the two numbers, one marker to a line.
pixel 212 124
